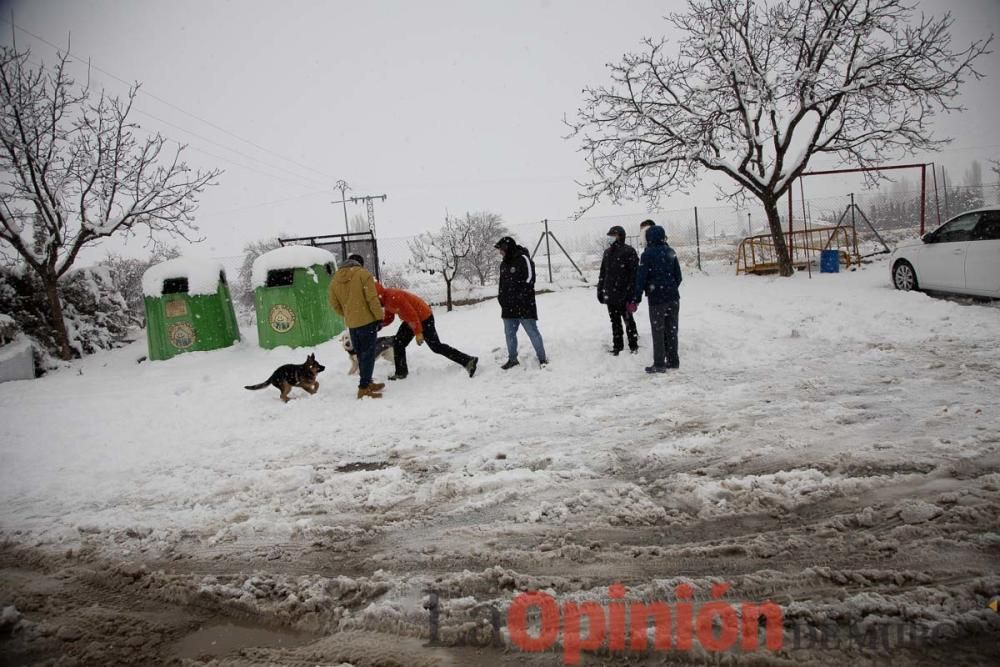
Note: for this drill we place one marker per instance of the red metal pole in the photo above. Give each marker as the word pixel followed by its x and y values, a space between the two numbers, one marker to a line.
pixel 923 195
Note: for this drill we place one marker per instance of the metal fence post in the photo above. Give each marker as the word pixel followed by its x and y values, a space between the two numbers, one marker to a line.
pixel 697 237
pixel 548 251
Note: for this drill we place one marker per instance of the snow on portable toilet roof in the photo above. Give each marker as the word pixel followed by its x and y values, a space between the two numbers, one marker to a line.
pixel 288 257
pixel 202 275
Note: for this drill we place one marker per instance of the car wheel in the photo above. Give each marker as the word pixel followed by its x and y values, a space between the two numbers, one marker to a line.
pixel 903 276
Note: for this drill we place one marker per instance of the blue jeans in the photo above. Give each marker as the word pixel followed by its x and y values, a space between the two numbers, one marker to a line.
pixel 531 328
pixel 363 340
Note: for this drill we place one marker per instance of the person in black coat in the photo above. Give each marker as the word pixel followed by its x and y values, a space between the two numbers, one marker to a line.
pixel 659 276
pixel 615 288
pixel 517 299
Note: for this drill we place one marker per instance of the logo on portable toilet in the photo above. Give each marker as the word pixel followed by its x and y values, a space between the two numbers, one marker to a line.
pixel 176 308
pixel 181 335
pixel 282 318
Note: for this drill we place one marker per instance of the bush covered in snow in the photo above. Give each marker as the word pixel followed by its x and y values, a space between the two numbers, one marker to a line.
pixel 97 315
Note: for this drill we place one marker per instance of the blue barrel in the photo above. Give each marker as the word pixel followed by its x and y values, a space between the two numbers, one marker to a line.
pixel 829 261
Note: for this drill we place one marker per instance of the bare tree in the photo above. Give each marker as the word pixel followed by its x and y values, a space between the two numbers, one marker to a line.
pixel 244 292
pixel 126 275
pixel 756 89
pixel 485 229
pixel 74 171
pixel 974 183
pixel 443 251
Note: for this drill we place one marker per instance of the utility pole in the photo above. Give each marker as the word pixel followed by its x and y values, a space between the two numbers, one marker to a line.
pixel 343 187
pixel 369 201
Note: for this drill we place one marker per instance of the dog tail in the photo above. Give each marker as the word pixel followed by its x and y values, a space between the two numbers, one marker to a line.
pixel 258 386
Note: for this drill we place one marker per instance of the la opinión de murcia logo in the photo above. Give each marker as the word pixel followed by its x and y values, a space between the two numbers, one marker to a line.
pixel 536 620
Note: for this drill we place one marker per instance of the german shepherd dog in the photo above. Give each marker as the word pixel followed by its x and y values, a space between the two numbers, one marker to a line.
pixel 383 348
pixel 294 375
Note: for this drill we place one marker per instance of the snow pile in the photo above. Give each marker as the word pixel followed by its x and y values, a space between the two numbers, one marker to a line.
pixel 288 257
pixel 202 276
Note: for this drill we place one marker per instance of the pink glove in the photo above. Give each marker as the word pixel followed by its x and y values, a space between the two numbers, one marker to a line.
pixel 631 307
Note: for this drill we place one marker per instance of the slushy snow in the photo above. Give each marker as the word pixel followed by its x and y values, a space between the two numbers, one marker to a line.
pixel 829 443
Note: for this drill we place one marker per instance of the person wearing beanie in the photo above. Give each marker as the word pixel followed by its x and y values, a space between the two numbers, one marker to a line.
pixel 615 287
pixel 659 276
pixel 418 322
pixel 354 297
pixel 517 299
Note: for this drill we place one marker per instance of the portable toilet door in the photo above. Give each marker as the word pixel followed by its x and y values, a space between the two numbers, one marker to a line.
pixel 188 308
pixel 291 286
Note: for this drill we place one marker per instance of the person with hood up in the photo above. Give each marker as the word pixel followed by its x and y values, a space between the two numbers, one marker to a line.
pixel 354 296
pixel 659 276
pixel 517 299
pixel 418 322
pixel 615 286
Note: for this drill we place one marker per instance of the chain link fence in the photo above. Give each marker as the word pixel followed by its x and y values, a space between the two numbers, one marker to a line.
pixel 711 234
pixel 703 236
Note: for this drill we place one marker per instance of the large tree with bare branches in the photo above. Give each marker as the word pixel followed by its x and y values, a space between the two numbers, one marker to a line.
pixel 75 170
pixel 443 251
pixel 757 88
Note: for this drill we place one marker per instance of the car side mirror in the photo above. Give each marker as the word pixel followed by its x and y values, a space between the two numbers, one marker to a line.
pixel 928 237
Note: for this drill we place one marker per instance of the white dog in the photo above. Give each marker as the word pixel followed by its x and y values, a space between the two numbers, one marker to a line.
pixel 383 348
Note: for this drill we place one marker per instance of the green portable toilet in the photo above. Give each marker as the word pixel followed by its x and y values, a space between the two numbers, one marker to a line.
pixel 291 296
pixel 188 308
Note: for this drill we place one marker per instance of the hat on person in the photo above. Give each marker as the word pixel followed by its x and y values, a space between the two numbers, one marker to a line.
pixel 505 244
pixel 354 257
pixel 618 231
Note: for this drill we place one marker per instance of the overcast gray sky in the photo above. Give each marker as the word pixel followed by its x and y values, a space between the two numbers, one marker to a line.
pixel 441 105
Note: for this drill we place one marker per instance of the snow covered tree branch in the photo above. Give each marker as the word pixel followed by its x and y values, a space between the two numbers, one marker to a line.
pixel 758 88
pixel 74 171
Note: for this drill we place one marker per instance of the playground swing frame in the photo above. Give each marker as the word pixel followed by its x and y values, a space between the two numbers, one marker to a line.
pixel 922 166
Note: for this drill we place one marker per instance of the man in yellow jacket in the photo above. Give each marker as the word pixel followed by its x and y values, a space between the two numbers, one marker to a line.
pixel 353 296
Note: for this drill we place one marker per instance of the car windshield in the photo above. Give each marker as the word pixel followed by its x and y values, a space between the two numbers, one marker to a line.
pixel 957 229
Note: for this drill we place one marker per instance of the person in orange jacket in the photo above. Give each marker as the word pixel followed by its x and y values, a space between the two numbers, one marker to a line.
pixel 418 322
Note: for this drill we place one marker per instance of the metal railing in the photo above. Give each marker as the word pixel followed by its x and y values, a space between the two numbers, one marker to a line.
pixel 757 254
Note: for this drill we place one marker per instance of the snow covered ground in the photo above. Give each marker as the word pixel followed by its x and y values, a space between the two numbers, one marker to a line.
pixel 828 443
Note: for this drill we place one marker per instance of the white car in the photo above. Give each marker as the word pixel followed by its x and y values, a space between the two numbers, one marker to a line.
pixel 961 256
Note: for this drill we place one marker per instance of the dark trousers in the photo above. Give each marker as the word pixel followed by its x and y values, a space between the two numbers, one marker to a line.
pixel 617 314
pixel 405 335
pixel 363 340
pixel 663 320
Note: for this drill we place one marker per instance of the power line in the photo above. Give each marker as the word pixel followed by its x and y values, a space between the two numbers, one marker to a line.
pixel 266 203
pixel 224 147
pixel 175 107
pixel 298 179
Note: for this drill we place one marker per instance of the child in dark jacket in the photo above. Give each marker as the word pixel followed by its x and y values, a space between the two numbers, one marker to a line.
pixel 658 277
pixel 615 287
